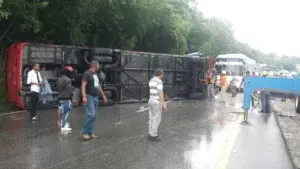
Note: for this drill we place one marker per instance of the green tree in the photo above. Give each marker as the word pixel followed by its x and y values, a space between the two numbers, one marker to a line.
pixel 164 26
pixel 221 39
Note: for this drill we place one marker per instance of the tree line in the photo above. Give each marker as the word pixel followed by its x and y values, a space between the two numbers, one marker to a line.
pixel 162 26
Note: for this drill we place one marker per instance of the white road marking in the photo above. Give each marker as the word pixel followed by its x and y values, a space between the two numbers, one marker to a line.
pixel 10 113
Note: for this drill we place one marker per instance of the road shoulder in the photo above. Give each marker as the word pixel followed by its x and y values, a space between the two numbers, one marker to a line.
pixel 259 145
pixel 289 124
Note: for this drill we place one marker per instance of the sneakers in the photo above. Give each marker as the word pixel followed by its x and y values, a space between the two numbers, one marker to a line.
pixel 34 118
pixel 93 136
pixel 67 124
pixel 151 138
pixel 85 137
pixel 66 128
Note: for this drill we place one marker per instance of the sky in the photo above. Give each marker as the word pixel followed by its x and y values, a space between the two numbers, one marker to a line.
pixel 268 25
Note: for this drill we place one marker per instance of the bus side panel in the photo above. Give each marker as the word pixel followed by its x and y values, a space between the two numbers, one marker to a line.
pixel 14 78
pixel 19 77
pixel 11 74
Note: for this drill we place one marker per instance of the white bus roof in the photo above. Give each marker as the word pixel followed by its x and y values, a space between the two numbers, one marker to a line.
pixel 238 56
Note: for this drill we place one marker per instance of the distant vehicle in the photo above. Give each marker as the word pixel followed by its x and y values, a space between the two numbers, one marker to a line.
pixel 234 65
pixel 256 68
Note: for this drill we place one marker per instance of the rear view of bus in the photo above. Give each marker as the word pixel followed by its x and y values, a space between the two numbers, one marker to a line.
pixel 235 65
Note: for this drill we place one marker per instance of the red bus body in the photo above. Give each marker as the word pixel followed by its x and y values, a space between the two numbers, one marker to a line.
pixel 13 74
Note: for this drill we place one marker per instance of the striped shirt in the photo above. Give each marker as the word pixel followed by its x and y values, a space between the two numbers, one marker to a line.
pixel 155 86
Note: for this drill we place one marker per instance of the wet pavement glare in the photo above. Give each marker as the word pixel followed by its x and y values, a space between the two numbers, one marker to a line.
pixel 194 134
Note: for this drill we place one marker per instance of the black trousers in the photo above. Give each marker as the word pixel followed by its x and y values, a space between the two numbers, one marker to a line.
pixel 34 103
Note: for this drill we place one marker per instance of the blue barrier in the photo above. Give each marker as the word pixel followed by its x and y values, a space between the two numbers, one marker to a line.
pixel 269 84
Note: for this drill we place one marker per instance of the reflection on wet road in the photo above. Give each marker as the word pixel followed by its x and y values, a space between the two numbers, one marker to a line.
pixel 196 135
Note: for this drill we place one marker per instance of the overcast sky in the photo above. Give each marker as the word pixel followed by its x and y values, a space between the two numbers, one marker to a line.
pixel 268 25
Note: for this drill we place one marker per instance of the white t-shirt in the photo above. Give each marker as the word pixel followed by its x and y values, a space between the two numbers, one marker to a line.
pixel 32 78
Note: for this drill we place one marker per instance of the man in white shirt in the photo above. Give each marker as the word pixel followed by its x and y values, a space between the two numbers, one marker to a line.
pixel 34 79
pixel 156 104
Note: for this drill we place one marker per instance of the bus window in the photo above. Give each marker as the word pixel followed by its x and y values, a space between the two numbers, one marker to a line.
pixel 236 69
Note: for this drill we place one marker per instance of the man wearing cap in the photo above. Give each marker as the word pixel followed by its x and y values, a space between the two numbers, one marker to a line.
pixel 91 89
pixel 65 97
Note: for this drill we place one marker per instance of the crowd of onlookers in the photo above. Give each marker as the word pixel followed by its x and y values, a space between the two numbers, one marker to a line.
pixel 233 85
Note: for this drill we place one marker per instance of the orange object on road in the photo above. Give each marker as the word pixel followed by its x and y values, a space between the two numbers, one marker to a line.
pixel 223 81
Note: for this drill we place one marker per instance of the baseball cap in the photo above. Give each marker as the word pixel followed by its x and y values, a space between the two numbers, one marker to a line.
pixel 69 68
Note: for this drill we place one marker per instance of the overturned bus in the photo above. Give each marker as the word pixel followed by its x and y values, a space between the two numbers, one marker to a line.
pixel 124 74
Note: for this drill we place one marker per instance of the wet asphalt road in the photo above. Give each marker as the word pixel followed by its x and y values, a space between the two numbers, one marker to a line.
pixel 196 135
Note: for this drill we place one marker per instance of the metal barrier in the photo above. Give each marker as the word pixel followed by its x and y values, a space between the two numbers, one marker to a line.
pixel 269 84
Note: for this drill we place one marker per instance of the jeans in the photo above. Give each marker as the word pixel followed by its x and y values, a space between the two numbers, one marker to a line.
pixel 266 105
pixel 65 106
pixel 91 108
pixel 155 110
pixel 252 101
pixel 210 91
pixel 223 94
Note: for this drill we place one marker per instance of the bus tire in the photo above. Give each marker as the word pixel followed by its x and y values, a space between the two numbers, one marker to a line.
pixel 297 104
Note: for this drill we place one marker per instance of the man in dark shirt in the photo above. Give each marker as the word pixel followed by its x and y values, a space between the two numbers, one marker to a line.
pixel 65 94
pixel 265 98
pixel 91 89
pixel 247 74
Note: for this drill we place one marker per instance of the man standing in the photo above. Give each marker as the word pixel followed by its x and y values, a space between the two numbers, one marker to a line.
pixel 65 98
pixel 252 96
pixel 156 104
pixel 210 85
pixel 283 99
pixel 34 79
pixel 223 85
pixel 265 98
pixel 91 89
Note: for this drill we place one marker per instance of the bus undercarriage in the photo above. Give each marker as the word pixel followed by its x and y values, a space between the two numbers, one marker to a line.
pixel 126 72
